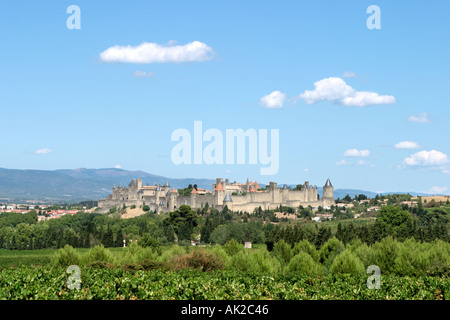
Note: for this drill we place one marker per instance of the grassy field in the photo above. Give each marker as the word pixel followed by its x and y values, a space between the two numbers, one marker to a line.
pixel 28 258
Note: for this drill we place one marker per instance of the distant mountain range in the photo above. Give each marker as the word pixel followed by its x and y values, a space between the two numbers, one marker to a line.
pixel 73 185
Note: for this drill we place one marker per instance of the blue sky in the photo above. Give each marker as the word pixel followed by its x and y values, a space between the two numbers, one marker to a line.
pixel 367 108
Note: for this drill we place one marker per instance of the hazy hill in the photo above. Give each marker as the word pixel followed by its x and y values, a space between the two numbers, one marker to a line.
pixel 77 184
pixel 74 185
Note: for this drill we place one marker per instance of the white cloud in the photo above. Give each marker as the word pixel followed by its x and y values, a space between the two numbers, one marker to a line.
pixel 155 53
pixel 420 118
pixel 118 166
pixel 356 153
pixel 43 151
pixel 364 98
pixel 329 89
pixel 273 100
pixel 348 74
pixel 306 170
pixel 343 162
pixel 437 190
pixel 338 91
pixel 427 158
pixel 407 145
pixel 360 162
pixel 142 74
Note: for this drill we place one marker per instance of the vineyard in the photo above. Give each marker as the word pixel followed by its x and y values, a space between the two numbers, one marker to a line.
pixel 410 270
pixel 118 284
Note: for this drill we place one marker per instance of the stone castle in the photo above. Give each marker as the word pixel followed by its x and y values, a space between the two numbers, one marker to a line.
pixel 237 196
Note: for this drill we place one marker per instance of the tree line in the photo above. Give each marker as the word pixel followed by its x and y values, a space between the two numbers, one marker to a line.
pixel 210 225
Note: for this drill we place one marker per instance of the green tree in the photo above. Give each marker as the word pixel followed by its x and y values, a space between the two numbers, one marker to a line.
pixel 108 238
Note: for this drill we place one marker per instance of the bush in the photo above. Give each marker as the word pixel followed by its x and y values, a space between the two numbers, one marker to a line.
pixel 255 261
pixel 303 263
pixel 347 262
pixel 148 241
pixel 385 254
pixel 134 253
pixel 99 253
pixel 170 253
pixel 151 265
pixel 306 247
pixel 330 249
pixel 199 259
pixel 232 247
pixel 365 254
pixel 65 257
pixel 282 250
pixel 438 259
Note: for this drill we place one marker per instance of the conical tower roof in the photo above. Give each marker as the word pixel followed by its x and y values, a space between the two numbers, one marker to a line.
pixel 328 183
pixel 219 187
pixel 227 198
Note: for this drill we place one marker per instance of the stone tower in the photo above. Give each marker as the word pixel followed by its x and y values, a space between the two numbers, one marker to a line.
pixel 328 190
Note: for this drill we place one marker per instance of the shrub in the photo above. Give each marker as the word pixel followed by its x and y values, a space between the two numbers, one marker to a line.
pixel 306 247
pixel 148 241
pixel 330 249
pixel 282 250
pixel 347 262
pixel 303 263
pixel 134 253
pixel 257 261
pixel 66 256
pixel 437 259
pixel 151 265
pixel 170 253
pixel 365 254
pixel 265 262
pixel 385 254
pixel 199 259
pixel 99 253
pixel 232 247
pixel 219 251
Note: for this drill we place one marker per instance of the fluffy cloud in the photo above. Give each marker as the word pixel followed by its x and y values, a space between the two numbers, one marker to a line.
pixel 43 151
pixel 142 74
pixel 356 153
pixel 118 166
pixel 338 91
pixel 273 100
pixel 427 158
pixel 155 53
pixel 407 145
pixel 421 118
